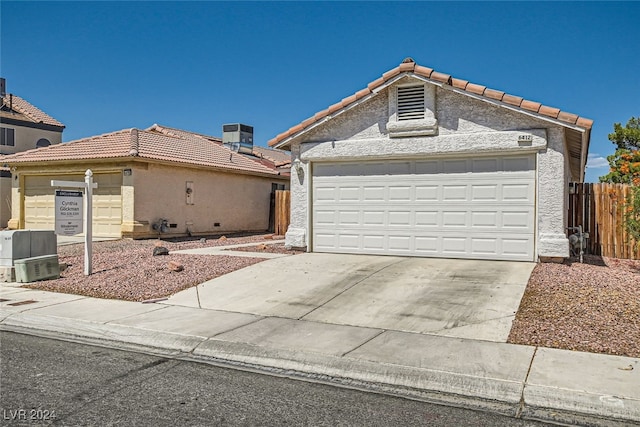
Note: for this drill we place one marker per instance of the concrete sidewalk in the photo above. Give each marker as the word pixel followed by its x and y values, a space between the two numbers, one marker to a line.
pixel 520 381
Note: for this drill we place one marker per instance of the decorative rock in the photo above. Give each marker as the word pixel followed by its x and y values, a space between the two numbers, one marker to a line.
pixel 175 266
pixel 160 250
pixel 223 238
pixel 203 240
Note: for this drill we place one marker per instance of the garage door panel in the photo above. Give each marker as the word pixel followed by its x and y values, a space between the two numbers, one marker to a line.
pixel 107 202
pixel 469 208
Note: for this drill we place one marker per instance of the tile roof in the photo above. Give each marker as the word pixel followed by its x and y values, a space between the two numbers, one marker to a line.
pixel 155 143
pixel 278 157
pixel 28 111
pixel 408 66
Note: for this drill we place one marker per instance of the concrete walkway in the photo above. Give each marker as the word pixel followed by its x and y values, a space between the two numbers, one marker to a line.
pixel 520 381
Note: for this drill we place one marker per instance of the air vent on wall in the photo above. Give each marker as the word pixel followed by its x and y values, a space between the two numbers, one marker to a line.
pixel 411 103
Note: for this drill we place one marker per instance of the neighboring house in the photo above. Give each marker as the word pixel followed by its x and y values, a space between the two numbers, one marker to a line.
pixel 194 182
pixel 422 164
pixel 22 127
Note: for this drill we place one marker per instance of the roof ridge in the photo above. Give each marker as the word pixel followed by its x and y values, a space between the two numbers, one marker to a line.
pixel 169 129
pixel 409 66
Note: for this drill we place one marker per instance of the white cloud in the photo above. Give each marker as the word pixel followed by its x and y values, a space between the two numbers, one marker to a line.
pixel 596 161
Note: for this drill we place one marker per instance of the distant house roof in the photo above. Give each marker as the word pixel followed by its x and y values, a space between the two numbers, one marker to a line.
pixel 16 108
pixel 409 67
pixel 278 157
pixel 155 143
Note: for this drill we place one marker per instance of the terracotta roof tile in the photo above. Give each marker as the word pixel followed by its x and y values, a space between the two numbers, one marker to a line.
pixel 530 105
pixel 376 83
pixel 549 111
pixel 512 100
pixel 155 143
pixel 309 121
pixel 408 66
pixel 567 117
pixel 423 71
pixel 391 73
pixel 584 122
pixel 29 111
pixel 459 83
pixel 441 77
pixel 321 114
pixel 475 88
pixel 279 157
pixel 348 100
pixel 494 94
pixel 362 93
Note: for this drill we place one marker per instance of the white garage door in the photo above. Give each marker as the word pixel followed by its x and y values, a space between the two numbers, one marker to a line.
pixel 39 202
pixel 481 208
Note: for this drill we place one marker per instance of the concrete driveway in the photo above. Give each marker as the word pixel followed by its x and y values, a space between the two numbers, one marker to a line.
pixel 459 298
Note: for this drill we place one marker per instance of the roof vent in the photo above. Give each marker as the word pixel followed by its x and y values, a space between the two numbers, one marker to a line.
pixel 238 137
pixel 3 86
pixel 411 103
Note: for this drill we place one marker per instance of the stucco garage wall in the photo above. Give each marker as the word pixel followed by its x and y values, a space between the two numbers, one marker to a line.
pixel 237 202
pixel 466 126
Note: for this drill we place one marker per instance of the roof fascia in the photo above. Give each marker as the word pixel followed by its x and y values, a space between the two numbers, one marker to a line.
pixel 287 141
pixel 30 124
pixel 504 105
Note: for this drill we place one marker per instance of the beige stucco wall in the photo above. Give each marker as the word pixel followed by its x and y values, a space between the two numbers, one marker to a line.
pixel 26 138
pixel 236 202
pixel 152 191
pixel 5 201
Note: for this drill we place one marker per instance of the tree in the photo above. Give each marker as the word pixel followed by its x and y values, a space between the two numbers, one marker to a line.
pixel 625 162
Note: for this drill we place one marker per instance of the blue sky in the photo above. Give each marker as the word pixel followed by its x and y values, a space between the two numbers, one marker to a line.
pixel 103 66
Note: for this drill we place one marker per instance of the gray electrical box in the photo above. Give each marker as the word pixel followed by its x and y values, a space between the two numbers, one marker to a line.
pixel 21 244
pixel 37 268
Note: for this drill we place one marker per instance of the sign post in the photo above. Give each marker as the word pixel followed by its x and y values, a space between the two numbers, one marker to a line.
pixel 67 212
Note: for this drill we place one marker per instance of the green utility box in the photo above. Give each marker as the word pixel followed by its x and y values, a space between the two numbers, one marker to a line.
pixel 37 268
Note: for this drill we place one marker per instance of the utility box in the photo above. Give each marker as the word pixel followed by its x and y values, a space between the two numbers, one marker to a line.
pixel 37 268
pixel 20 244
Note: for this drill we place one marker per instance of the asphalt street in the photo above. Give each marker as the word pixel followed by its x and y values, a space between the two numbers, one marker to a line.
pixel 51 382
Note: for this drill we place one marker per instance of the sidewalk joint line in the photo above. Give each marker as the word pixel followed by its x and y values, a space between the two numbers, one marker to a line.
pixel 235 328
pixel 198 295
pixel 349 288
pixel 521 404
pixel 382 331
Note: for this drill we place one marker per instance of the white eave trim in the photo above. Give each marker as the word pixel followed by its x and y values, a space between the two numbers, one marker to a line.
pixel 442 85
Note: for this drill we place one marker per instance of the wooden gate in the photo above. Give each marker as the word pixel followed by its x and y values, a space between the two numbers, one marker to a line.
pixel 283 211
pixel 599 208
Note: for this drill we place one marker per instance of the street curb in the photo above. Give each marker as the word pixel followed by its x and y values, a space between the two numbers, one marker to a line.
pixel 509 398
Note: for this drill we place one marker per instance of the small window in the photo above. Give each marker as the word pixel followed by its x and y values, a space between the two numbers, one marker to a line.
pixel 7 137
pixel 43 142
pixel 411 103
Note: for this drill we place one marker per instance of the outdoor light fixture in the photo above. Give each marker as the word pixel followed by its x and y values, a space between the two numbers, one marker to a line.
pixel 297 165
pixel 127 172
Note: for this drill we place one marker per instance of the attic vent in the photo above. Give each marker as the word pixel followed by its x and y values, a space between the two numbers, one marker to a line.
pixel 411 103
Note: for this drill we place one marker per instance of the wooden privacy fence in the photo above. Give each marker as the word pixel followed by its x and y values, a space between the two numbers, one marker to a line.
pixel 283 211
pixel 600 209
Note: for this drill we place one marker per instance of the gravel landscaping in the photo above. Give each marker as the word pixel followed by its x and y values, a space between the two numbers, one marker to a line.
pixel 126 269
pixel 593 307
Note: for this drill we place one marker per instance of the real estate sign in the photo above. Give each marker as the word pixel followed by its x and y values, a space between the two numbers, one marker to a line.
pixel 68 212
